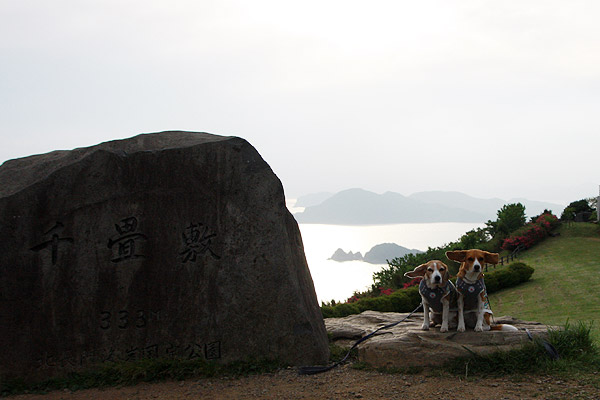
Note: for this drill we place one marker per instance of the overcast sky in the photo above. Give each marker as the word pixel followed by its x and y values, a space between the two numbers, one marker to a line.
pixel 490 98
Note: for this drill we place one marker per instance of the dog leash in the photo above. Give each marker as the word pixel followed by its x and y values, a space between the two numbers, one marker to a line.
pixel 550 349
pixel 319 369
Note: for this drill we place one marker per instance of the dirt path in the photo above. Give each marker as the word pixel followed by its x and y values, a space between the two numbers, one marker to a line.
pixel 341 383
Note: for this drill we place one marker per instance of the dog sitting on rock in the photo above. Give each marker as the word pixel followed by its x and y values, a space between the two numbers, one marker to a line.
pixel 438 294
pixel 472 303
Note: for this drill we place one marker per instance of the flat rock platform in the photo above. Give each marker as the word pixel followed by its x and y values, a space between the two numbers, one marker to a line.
pixel 406 345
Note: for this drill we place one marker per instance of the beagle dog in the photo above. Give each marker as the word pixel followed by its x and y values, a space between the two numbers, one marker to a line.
pixel 437 293
pixel 472 301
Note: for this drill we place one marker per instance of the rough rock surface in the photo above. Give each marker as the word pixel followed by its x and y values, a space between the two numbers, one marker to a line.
pixel 174 244
pixel 406 345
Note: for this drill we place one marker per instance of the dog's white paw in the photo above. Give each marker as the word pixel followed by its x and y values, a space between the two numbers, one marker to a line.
pixel 461 328
pixel 479 328
pixel 444 328
pixel 425 327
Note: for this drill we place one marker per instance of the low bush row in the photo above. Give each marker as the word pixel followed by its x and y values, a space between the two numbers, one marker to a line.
pixel 503 278
pixel 406 300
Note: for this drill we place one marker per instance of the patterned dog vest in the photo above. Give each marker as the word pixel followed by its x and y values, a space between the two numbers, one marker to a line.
pixel 434 296
pixel 470 292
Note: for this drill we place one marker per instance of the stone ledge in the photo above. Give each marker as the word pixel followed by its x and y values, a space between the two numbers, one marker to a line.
pixel 406 345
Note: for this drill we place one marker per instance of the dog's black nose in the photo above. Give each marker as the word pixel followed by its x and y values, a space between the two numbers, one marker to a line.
pixel 477 267
pixel 437 279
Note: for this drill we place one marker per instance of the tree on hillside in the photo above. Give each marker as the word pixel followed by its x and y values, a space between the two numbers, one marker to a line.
pixel 568 214
pixel 576 207
pixel 510 218
pixel 473 239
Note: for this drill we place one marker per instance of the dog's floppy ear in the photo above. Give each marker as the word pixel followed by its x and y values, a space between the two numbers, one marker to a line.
pixel 457 255
pixel 491 258
pixel 418 271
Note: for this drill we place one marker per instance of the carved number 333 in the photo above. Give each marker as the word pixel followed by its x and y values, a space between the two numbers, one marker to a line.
pixel 123 319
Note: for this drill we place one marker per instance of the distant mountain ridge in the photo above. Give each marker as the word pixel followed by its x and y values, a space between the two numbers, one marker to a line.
pixel 488 207
pixel 361 207
pixel 312 199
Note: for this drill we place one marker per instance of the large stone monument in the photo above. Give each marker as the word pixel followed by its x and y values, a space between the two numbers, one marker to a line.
pixel 173 244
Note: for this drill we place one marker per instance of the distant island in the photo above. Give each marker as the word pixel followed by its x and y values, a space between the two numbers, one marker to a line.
pixel 361 207
pixel 378 254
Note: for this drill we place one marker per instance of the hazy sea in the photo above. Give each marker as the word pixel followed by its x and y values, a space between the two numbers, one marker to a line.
pixel 338 280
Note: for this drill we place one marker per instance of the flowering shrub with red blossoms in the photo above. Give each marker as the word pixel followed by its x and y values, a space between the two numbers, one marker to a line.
pixel 385 292
pixel 353 299
pixel 531 233
pixel 548 220
pixel 414 282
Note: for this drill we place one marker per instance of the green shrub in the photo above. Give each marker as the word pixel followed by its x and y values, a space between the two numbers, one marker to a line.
pixel 523 270
pixel 404 300
pixel 491 282
pixel 340 310
pixel 345 309
pixel 328 311
pixel 379 303
pixel 504 278
pixel 508 277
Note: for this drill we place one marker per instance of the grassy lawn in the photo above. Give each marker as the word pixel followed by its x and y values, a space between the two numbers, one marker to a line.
pixel 565 284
